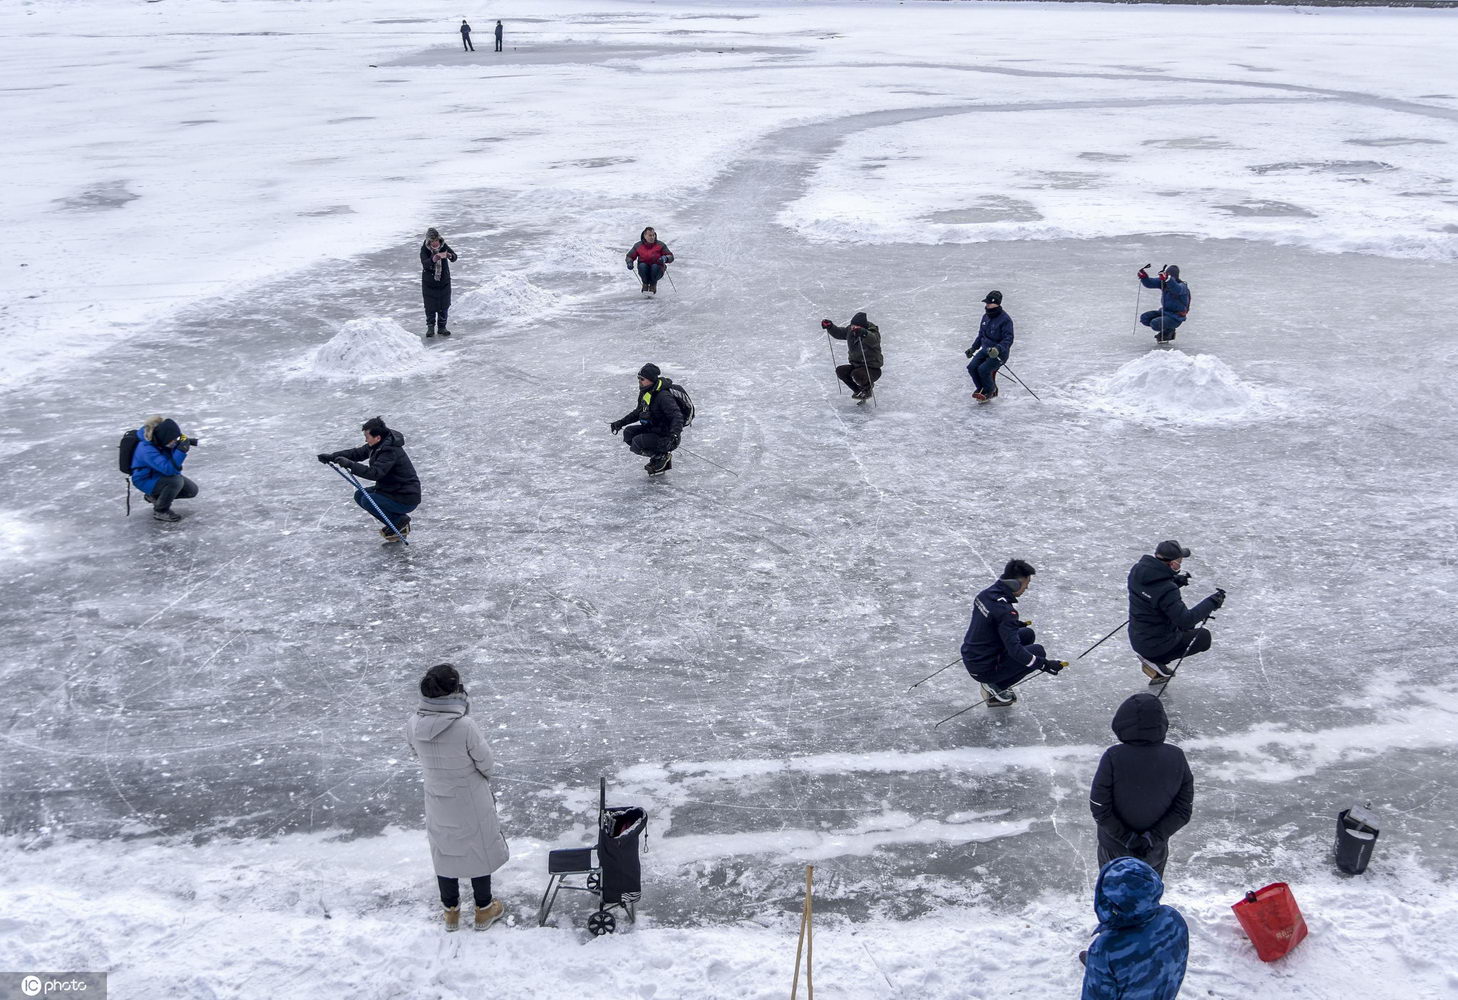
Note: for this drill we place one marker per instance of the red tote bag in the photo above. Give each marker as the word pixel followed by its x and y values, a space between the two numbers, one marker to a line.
pixel 1271 920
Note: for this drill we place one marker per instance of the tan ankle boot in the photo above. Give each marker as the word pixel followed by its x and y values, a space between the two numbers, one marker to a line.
pixel 453 918
pixel 489 914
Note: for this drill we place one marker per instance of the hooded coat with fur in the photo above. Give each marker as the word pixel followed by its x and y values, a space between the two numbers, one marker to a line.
pixel 460 807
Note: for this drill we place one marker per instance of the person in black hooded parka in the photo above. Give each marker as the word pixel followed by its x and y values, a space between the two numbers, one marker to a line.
pixel 1143 791
pixel 1161 628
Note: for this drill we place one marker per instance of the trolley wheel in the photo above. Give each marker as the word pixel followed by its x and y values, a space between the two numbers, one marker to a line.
pixel 594 881
pixel 601 923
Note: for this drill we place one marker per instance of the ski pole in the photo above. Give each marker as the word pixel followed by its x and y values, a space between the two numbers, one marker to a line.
pixel 1101 641
pixel 984 701
pixel 1139 299
pixel 1186 653
pixel 1021 382
pixel 670 280
pixel 349 478
pixel 934 673
pixel 839 385
pixel 701 458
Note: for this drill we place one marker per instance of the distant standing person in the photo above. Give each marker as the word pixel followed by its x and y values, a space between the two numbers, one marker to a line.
pixel 652 258
pixel 1174 302
pixel 863 350
pixel 1161 628
pixel 460 807
pixel 498 36
pixel 1142 946
pixel 466 36
pixel 436 258
pixel 1143 791
pixel 990 350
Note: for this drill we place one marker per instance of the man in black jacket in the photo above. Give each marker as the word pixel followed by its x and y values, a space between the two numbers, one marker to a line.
pixel 863 345
pixel 1161 628
pixel 397 487
pixel 1143 790
pixel 654 425
pixel 998 649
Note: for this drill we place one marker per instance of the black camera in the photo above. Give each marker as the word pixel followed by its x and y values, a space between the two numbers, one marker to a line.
pixel 186 442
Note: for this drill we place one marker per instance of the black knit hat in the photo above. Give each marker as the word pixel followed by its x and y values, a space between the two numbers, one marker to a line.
pixel 1170 551
pixel 993 297
pixel 165 433
pixel 650 372
pixel 859 319
pixel 439 681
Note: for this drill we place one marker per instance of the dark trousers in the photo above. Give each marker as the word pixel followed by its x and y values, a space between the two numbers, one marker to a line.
pixel 650 274
pixel 1005 673
pixel 644 442
pixel 397 511
pixel 1163 323
pixel 1190 642
pixel 466 43
pixel 498 43
pixel 1156 858
pixel 170 488
pixel 437 304
pixel 450 891
pixel 855 376
pixel 984 372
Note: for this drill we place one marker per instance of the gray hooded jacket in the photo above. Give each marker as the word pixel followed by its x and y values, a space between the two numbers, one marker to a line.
pixel 460 807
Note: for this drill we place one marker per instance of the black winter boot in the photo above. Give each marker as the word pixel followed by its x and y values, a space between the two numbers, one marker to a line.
pixel 430 330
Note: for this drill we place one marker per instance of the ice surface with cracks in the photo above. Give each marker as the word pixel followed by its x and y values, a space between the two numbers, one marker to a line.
pixel 213 710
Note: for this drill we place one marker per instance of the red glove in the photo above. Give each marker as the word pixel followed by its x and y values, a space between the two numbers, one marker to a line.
pixel 825 324
pixel 1143 273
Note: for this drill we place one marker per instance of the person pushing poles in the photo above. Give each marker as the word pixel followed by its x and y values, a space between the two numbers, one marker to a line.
pixel 999 649
pixel 863 350
pixel 397 488
pixel 1174 302
pixel 652 257
pixel 1161 628
pixel 991 349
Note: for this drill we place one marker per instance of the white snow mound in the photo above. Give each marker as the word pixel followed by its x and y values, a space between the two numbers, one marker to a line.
pixel 1174 386
pixel 506 298
pixel 374 347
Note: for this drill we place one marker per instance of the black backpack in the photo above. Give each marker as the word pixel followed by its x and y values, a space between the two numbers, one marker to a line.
pixel 685 403
pixel 126 451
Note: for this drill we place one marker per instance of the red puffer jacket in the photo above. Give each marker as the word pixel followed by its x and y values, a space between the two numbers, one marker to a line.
pixel 650 253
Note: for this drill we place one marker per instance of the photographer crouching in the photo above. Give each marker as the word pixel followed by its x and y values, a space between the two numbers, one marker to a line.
pixel 157 466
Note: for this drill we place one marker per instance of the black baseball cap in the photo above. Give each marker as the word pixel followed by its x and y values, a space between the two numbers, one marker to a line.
pixel 993 297
pixel 1171 550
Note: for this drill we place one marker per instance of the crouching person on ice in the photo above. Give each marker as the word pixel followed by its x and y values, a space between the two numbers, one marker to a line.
pixel 397 488
pixel 1141 946
pixel 460 807
pixel 998 649
pixel 157 459
pixel 863 345
pixel 653 427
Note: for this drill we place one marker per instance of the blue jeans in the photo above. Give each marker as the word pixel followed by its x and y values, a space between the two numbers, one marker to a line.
pixel 984 372
pixel 1163 323
pixel 650 274
pixel 391 507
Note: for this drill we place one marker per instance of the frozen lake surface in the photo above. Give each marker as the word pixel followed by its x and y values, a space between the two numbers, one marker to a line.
pixel 733 649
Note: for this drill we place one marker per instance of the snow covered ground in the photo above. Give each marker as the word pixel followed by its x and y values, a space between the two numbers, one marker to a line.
pixel 201 777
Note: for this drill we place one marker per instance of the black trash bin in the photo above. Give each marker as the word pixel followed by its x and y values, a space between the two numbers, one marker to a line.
pixel 1356 836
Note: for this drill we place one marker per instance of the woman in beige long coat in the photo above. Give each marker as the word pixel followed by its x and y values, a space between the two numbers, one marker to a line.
pixel 460 808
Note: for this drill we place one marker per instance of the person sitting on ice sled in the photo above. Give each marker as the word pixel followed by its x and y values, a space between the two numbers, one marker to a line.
pixel 998 649
pixel 1174 302
pixel 990 350
pixel 397 488
pixel 1142 946
pixel 654 425
pixel 1161 628
pixel 863 347
pixel 652 258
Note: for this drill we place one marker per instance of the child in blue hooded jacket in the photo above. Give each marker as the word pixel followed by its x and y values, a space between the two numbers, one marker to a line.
pixel 1141 947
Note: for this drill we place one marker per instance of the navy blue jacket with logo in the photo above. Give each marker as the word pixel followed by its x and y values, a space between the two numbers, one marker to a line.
pixel 992 637
pixel 995 331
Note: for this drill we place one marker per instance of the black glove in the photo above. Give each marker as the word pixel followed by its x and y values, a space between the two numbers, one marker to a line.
pixel 1054 667
pixel 616 426
pixel 1217 598
pixel 970 351
pixel 1143 842
pixel 326 459
pixel 630 265
pixel 673 442
pixel 1182 579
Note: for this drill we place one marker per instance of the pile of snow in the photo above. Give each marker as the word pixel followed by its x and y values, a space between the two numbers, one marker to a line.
pixel 374 347
pixel 506 298
pixel 1171 385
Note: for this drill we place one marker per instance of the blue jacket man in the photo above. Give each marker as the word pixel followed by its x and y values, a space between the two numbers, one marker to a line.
pixel 1161 628
pixel 990 350
pixel 157 466
pixel 1174 302
pixel 1141 946
pixel 999 649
